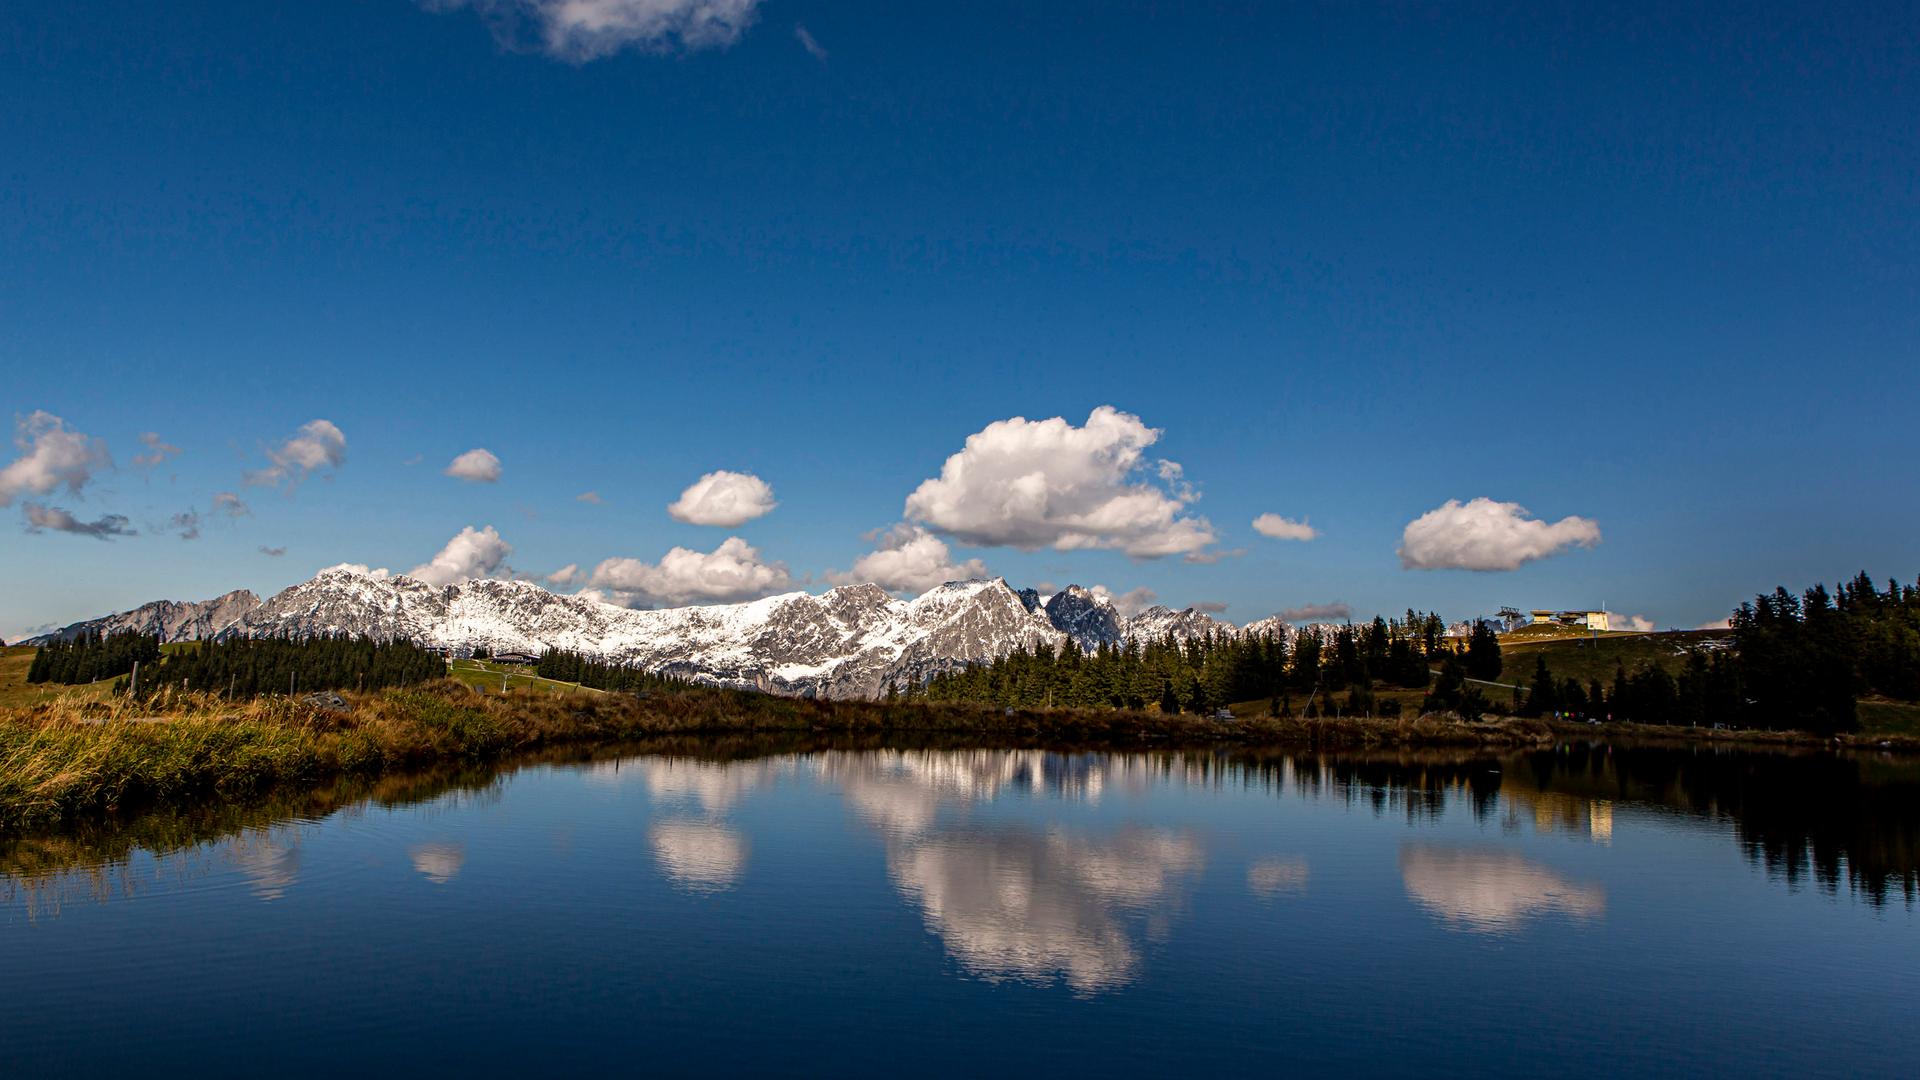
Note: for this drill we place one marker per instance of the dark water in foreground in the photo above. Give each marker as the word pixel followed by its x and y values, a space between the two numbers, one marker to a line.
pixel 1580 911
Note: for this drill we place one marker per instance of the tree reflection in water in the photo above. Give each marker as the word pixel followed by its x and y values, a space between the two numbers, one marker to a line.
pixel 1074 904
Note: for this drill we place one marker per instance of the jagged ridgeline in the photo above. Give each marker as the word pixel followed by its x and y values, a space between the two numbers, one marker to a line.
pixel 245 667
pixel 91 655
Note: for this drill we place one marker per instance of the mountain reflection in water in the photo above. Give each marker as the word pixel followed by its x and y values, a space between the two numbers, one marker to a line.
pixel 727 906
pixel 1068 899
pixel 1009 900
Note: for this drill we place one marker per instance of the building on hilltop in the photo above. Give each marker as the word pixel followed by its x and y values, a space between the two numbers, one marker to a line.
pixel 1591 620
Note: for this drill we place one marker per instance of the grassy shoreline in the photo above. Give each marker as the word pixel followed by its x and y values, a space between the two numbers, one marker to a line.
pixel 79 755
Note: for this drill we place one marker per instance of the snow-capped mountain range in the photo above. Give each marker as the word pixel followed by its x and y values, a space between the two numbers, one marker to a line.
pixel 852 641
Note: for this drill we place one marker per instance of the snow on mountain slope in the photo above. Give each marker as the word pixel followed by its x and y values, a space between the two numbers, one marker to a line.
pixel 852 641
pixel 849 642
pixel 1157 622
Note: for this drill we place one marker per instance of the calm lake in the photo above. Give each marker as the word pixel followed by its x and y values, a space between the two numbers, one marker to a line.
pixel 1580 911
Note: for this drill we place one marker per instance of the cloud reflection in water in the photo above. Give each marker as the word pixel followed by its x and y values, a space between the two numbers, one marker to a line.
pixel 270 862
pixel 1490 890
pixel 1277 876
pixel 700 855
pixel 1010 900
pixel 438 863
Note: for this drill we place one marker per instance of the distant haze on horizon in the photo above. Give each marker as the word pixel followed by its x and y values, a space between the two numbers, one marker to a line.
pixel 1256 310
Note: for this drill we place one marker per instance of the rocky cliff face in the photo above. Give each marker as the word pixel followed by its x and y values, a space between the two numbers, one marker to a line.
pixel 170 620
pixel 1090 621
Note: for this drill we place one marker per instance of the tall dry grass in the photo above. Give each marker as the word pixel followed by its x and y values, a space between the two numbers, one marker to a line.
pixel 70 756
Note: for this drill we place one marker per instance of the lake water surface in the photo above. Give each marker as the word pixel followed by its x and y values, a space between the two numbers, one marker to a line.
pixel 1582 911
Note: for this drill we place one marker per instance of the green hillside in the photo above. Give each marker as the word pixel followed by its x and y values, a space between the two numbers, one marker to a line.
pixel 1588 657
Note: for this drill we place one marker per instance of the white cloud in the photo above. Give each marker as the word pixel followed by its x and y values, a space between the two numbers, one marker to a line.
pixel 157 450
pixel 360 569
pixel 1211 607
pixel 1129 603
pixel 908 558
pixel 724 498
pixel 319 445
pixel 42 518
pixel 807 42
pixel 1637 623
pixel 476 466
pixel 733 571
pixel 1208 558
pixel 51 457
pixel 567 576
pixel 590 497
pixel 1717 624
pixel 1337 611
pixel 1033 484
pixel 472 553
pixel 1282 528
pixel 581 30
pixel 1488 535
pixel 230 504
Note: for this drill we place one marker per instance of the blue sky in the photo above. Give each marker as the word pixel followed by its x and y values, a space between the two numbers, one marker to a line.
pixel 1653 270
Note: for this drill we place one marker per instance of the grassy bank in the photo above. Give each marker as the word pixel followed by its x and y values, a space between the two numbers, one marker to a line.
pixel 77 754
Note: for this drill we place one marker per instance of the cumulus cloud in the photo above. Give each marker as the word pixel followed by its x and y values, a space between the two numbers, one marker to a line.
pixel 1282 528
pixel 581 30
pixel 318 445
pixel 272 552
pixel 186 523
pixel 1211 607
pixel 1488 535
pixel 51 457
pixel 908 558
pixel 1129 603
pixel 1637 623
pixel 724 498
pixel 226 502
pixel 1208 558
pixel 567 576
pixel 476 466
pixel 590 497
pixel 157 450
pixel 1034 484
pixel 43 518
pixel 472 553
pixel 733 571
pixel 1717 624
pixel 1337 611
pixel 807 42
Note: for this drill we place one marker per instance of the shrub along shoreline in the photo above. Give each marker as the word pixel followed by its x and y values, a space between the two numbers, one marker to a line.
pixel 71 757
